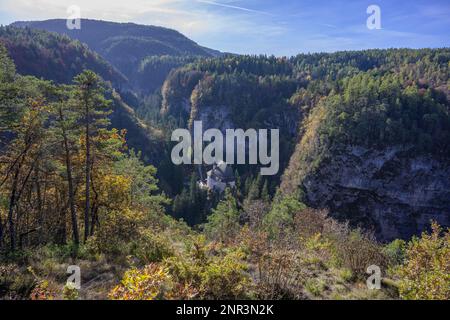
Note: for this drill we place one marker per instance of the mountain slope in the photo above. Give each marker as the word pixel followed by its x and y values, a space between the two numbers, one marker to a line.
pixel 235 92
pixel 58 58
pixel 375 147
pixel 54 57
pixel 124 45
pixel 374 139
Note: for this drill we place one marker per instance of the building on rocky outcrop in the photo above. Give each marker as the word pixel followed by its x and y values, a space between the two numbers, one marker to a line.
pixel 219 177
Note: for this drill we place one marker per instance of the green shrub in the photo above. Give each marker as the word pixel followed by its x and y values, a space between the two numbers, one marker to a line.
pixel 357 251
pixel 346 275
pixel 223 222
pixel 315 286
pixel 395 251
pixel 14 282
pixel 70 292
pixel 42 291
pixel 152 247
pixel 150 283
pixel 226 278
pixel 426 271
pixel 281 218
pixel 279 275
pixel 153 282
pixel 219 276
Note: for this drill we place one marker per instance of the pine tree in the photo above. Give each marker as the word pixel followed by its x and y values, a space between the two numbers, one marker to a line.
pixel 255 189
pixel 9 104
pixel 265 192
pixel 66 130
pixel 223 223
pixel 92 104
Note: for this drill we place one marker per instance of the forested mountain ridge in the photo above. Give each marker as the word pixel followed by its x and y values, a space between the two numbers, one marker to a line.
pixel 58 58
pixel 103 36
pixel 387 129
pixel 365 137
pixel 326 103
pixel 55 57
pixel 236 92
pixel 127 45
pixel 381 116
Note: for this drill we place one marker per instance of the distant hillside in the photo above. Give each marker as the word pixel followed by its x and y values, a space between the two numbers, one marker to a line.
pixel 374 128
pixel 55 57
pixel 125 45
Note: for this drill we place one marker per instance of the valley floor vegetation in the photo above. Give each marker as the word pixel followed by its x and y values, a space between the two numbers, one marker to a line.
pixel 72 193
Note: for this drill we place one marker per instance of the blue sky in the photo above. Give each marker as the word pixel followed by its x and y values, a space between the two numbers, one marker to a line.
pixel 280 27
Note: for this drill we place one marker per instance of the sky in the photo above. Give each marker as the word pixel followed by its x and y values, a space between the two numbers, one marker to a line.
pixel 279 27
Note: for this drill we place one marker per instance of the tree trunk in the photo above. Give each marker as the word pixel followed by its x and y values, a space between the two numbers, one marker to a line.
pixel 39 203
pixel 88 173
pixel 18 196
pixel 94 211
pixel 63 229
pixel 1 233
pixel 12 204
pixel 73 213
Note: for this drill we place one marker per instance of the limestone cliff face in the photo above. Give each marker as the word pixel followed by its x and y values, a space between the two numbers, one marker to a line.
pixel 223 117
pixel 176 92
pixel 390 191
pixel 214 117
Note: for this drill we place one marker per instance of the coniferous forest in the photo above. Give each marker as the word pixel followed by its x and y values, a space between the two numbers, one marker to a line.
pixel 86 177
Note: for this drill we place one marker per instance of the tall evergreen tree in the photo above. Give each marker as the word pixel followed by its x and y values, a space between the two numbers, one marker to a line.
pixel 67 131
pixel 92 105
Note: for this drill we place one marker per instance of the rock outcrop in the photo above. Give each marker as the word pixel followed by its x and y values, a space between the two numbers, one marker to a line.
pixel 391 192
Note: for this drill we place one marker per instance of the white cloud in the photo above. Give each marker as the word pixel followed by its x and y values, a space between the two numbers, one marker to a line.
pixel 116 10
pixel 193 18
pixel 229 6
pixel 197 19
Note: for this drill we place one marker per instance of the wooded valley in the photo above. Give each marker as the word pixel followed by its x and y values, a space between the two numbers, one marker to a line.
pixel 86 177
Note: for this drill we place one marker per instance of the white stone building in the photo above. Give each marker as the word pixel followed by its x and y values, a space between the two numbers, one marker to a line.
pixel 219 177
